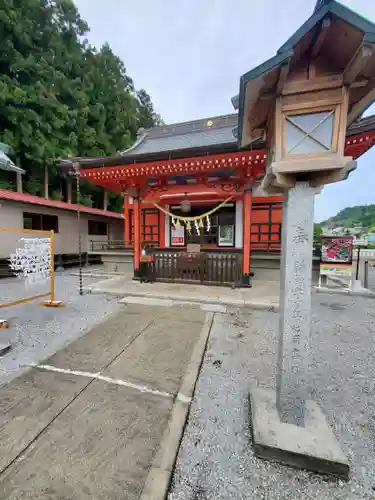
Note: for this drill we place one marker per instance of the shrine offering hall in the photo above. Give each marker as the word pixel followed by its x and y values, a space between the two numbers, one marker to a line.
pixel 193 200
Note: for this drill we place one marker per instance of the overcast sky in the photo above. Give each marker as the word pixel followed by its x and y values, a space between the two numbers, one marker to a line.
pixel 190 54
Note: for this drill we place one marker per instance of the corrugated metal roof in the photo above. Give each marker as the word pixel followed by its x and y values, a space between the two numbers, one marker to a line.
pixel 36 200
pixel 186 135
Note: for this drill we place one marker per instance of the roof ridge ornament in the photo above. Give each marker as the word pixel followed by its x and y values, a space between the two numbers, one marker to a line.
pixel 320 4
pixel 141 136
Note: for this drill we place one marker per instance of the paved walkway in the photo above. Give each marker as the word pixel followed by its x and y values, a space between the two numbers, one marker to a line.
pixel 263 294
pixel 86 423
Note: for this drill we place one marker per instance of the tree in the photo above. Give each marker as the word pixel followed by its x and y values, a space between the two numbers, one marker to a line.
pixel 350 217
pixel 112 107
pixel 318 232
pixel 147 117
pixel 61 97
pixel 35 117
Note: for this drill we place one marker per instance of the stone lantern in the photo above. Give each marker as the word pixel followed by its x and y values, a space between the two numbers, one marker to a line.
pixel 302 100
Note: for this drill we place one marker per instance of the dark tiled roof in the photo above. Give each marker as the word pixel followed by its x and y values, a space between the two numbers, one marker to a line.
pixel 187 135
pixel 197 134
pixel 362 125
pixel 188 138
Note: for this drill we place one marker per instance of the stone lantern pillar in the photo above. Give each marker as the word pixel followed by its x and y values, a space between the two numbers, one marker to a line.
pixel 302 100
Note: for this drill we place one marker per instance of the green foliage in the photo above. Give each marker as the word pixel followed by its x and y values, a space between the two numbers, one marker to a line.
pixel 7 180
pixel 86 200
pixel 350 217
pixel 318 231
pixel 57 195
pixel 147 117
pixel 58 95
pixel 33 185
pixel 115 203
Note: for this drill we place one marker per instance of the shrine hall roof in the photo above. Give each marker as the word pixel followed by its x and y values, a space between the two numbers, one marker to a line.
pixel 189 138
pixel 194 134
pixel 207 132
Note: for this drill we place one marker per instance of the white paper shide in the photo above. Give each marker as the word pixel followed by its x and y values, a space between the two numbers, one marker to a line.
pixel 32 261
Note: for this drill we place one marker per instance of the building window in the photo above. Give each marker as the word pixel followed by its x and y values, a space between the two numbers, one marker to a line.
pixel 40 222
pixel 98 228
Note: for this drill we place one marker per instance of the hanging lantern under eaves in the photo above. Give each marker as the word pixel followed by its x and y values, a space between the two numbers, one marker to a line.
pixel 185 205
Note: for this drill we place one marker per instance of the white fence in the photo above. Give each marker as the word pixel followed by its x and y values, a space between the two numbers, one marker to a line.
pixel 365 254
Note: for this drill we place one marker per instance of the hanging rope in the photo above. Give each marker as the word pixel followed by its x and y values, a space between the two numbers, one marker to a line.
pixel 192 219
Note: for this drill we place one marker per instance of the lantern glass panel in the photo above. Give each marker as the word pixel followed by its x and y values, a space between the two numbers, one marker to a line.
pixel 309 133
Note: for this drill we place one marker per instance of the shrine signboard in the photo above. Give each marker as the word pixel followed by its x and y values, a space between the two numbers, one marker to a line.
pixel 337 256
pixel 178 236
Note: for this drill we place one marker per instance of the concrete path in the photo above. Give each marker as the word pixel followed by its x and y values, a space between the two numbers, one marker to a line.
pixel 263 294
pixel 87 422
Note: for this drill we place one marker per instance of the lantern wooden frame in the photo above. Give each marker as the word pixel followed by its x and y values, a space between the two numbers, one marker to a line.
pixel 325 95
pixel 308 103
pixel 287 117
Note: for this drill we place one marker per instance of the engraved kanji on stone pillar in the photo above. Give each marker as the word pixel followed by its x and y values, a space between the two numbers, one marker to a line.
pixel 295 303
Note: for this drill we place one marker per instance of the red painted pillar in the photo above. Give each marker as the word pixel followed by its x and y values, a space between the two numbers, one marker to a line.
pixel 161 229
pixel 246 238
pixel 137 233
pixel 126 219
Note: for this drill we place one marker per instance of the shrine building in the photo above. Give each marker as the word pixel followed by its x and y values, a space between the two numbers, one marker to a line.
pixel 192 191
pixel 198 164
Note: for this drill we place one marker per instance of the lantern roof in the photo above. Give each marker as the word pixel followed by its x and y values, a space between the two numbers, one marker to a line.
pixel 342 40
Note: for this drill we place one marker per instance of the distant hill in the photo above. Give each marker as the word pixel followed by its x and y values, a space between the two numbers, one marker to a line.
pixel 360 215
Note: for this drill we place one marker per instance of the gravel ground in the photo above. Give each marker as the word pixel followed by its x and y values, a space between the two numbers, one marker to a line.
pixel 216 459
pixel 371 276
pixel 37 332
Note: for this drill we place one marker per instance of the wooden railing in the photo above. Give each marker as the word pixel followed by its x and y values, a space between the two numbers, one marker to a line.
pixel 105 246
pixel 205 268
pixel 117 245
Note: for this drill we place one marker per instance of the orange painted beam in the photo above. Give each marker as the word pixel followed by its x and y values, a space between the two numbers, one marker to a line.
pixel 355 145
pixel 244 160
pixel 246 232
pixel 175 193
